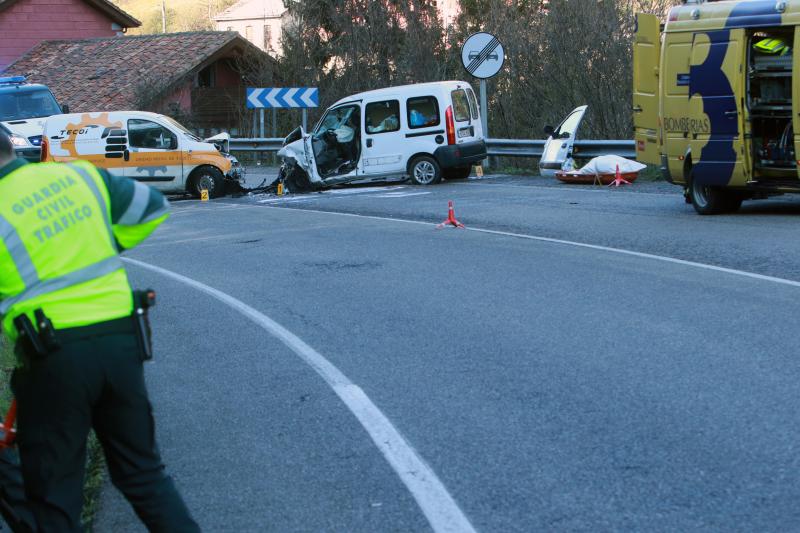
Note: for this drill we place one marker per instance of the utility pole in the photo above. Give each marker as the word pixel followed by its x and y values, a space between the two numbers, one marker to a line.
pixel 163 16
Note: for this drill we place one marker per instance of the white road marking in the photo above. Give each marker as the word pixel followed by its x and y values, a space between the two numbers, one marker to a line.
pixel 363 190
pixel 400 194
pixel 285 199
pixel 167 242
pixel 622 251
pixel 431 495
pixel 333 193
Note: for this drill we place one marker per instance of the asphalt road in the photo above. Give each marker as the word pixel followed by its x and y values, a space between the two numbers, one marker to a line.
pixel 547 386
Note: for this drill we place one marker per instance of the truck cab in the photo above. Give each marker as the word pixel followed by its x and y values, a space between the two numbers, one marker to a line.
pixel 23 110
pixel 715 103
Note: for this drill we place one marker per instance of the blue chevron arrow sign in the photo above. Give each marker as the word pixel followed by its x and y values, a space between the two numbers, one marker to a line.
pixel 282 97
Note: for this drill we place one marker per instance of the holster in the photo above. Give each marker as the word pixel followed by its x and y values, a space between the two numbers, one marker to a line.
pixel 142 302
pixel 36 341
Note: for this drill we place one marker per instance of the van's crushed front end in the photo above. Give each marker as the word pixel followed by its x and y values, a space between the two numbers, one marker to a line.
pixel 297 169
pixel 236 174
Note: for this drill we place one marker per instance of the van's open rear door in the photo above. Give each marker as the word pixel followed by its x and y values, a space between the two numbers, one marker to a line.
pixel 646 54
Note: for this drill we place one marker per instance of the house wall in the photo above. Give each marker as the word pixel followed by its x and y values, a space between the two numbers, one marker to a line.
pixel 28 22
pixel 255 15
pixel 208 108
pixel 256 32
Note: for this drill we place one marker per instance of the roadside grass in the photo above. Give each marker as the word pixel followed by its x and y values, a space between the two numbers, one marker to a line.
pixel 95 463
pixel 651 173
pixel 93 484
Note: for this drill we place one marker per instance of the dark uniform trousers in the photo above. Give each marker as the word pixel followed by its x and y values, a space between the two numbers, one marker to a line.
pixel 95 382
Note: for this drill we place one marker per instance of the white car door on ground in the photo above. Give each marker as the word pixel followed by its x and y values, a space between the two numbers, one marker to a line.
pixel 558 147
pixel 384 140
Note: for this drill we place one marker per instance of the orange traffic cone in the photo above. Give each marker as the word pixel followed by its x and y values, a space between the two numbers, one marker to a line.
pixel 451 218
pixel 618 180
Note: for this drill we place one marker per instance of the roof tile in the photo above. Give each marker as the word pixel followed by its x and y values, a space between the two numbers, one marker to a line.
pixel 113 73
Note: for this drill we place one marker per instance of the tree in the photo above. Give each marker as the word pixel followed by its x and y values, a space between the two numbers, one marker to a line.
pixel 560 54
pixel 348 46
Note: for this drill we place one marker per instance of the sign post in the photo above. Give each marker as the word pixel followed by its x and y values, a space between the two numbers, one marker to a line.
pixel 482 56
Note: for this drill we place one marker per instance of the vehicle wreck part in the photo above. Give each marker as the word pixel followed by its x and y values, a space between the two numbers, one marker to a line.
pixel 294 178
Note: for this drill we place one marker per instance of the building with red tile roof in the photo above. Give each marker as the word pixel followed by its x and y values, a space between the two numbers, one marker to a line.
pixel 194 75
pixel 26 23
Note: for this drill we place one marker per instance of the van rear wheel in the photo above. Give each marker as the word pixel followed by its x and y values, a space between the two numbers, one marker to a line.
pixel 424 170
pixel 208 178
pixel 709 200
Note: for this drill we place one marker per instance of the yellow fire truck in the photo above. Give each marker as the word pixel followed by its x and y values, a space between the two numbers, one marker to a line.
pixel 715 100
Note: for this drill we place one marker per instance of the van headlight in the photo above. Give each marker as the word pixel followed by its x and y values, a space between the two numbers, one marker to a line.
pixel 19 141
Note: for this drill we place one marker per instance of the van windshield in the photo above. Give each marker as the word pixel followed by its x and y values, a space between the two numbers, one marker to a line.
pixel 21 104
pixel 180 127
pixel 335 118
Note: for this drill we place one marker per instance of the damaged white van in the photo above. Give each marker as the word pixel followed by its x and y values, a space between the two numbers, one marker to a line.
pixel 423 132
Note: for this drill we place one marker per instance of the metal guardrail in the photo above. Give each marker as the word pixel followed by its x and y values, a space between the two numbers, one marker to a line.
pixel 256 144
pixel 495 147
pixel 581 148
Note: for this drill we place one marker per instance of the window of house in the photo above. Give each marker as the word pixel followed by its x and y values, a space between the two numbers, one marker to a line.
pixel 267 37
pixel 230 28
pixel 460 105
pixel 148 134
pixel 248 33
pixel 207 77
pixel 422 112
pixel 383 117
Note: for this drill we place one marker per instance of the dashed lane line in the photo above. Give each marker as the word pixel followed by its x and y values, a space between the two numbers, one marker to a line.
pixel 436 503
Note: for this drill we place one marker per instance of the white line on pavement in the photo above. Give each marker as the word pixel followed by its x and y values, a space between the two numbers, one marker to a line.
pixel 431 495
pixel 643 255
pixel 399 194
pixel 334 193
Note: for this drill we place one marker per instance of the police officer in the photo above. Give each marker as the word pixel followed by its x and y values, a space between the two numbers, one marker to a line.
pixel 61 230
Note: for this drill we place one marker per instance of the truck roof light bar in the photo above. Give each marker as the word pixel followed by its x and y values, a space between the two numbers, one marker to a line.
pixel 12 80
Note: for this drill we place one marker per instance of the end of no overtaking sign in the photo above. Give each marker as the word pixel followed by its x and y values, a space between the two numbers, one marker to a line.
pixel 482 55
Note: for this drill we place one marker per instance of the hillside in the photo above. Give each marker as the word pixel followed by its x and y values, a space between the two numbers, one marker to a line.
pixel 182 15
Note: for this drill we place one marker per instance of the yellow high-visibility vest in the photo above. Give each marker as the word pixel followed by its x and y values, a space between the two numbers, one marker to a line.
pixel 58 249
pixel 772 46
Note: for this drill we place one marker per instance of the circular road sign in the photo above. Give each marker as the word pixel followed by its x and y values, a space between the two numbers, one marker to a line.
pixel 482 55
